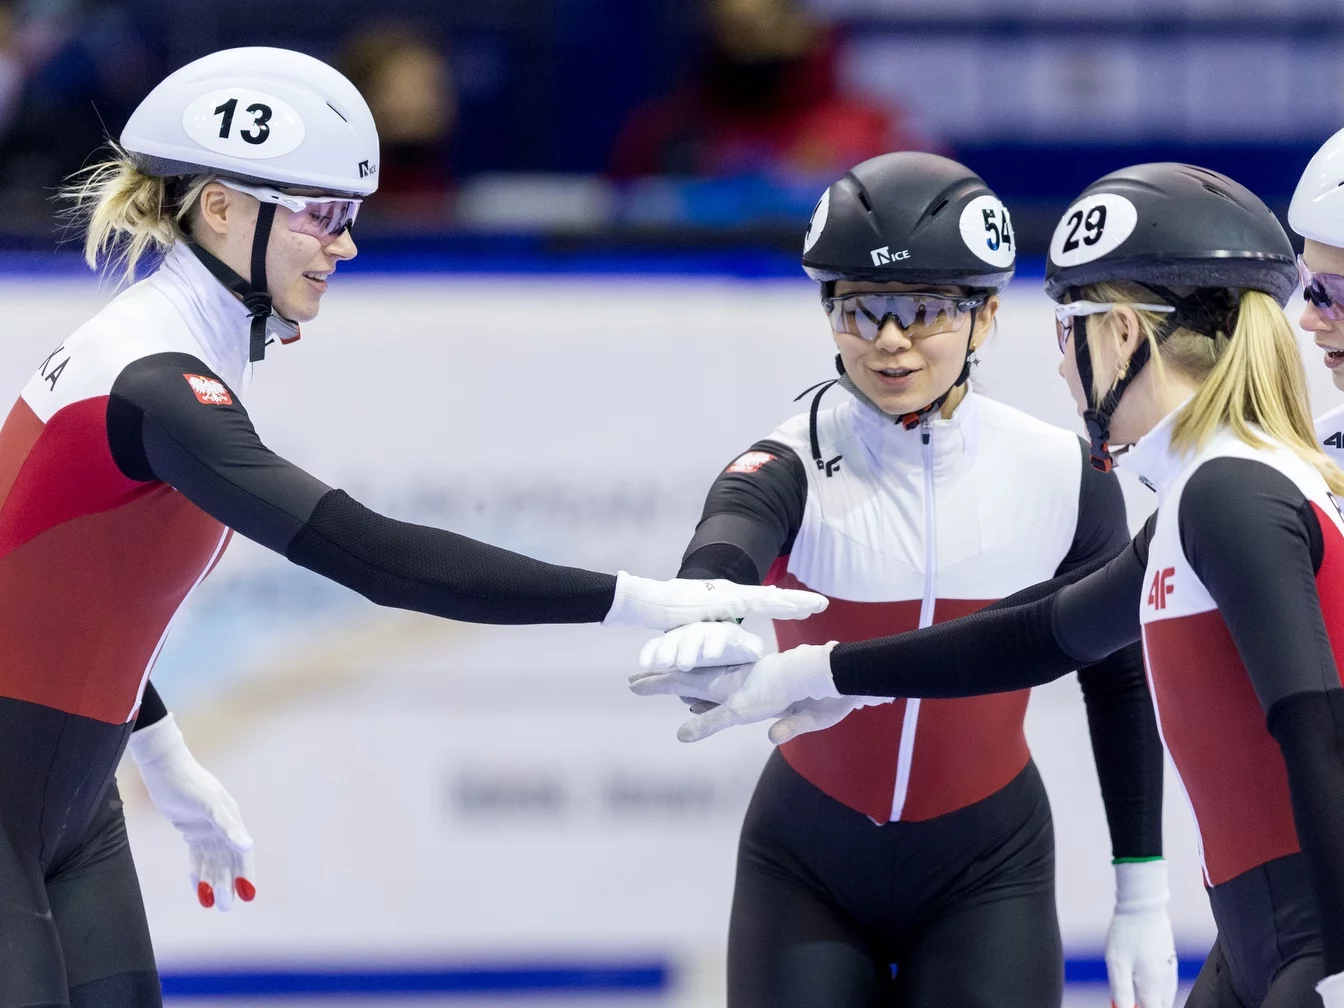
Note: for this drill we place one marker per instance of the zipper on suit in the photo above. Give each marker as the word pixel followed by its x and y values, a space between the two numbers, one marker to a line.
pixel 911 721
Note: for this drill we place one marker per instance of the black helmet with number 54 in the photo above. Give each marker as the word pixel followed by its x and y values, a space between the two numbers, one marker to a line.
pixel 911 217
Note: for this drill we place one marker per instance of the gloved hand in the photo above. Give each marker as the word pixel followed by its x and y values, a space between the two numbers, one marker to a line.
pixel 204 813
pixel 1331 990
pixel 662 605
pixel 815 715
pixel 747 693
pixel 701 644
pixel 1140 948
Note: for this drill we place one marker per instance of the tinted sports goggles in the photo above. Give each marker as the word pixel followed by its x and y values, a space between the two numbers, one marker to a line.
pixel 1324 290
pixel 322 217
pixel 1066 313
pixel 917 313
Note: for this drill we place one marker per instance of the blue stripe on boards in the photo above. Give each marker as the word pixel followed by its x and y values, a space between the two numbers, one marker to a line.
pixel 597 978
pixel 1094 970
pixel 437 259
pixel 649 977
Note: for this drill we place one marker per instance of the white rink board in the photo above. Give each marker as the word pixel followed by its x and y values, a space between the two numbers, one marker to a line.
pixel 425 789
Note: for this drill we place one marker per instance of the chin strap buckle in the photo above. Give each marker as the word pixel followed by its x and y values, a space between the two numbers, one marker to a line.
pixel 1099 433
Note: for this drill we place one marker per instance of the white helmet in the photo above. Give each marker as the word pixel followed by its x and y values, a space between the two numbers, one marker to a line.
pixel 258 114
pixel 1317 210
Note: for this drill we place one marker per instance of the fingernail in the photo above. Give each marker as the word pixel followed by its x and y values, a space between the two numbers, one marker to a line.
pixel 247 892
pixel 205 894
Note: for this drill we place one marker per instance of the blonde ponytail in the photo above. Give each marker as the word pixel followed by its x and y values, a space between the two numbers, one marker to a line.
pixel 1251 381
pixel 126 213
pixel 1258 387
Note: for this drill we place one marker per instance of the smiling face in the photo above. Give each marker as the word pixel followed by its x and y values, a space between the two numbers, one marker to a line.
pixel 903 371
pixel 1328 334
pixel 297 264
pixel 297 267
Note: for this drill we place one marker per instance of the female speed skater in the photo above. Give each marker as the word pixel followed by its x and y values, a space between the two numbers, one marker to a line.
pixel 129 459
pixel 903 853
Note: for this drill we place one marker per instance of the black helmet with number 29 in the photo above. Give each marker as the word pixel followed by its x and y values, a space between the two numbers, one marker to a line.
pixel 1165 225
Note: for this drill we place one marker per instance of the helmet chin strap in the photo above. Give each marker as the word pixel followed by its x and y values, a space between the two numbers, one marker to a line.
pixel 1193 312
pixel 255 295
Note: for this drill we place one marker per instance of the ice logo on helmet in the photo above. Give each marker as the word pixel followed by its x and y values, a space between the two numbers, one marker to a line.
pixel 819 215
pixel 885 256
pixel 365 169
pixel 1093 227
pixel 243 123
pixel 987 231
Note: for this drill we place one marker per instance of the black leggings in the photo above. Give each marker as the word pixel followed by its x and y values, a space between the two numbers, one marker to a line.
pixel 72 924
pixel 834 911
pixel 1293 987
pixel 1268 953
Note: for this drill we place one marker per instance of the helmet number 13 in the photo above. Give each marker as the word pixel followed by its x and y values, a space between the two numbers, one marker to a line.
pixel 261 116
pixel 998 233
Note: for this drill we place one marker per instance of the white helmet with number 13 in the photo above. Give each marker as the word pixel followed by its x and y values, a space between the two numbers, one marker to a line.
pixel 258 114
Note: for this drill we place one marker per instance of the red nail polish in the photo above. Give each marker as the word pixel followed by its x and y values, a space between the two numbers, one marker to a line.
pixel 247 892
pixel 205 894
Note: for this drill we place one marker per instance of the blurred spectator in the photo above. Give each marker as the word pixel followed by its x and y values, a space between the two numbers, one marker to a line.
pixel 407 84
pixel 71 71
pixel 764 100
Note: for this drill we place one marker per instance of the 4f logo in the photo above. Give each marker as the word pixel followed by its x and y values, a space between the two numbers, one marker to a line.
pixel 1162 587
pixel 1335 440
pixel 884 256
pixel 830 467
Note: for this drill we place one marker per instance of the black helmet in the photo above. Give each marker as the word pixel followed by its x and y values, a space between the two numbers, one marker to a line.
pixel 1165 225
pixel 912 217
pixel 1171 224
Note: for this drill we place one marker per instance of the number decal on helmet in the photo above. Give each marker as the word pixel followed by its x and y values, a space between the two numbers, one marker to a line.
pixel 987 231
pixel 818 222
pixel 1091 228
pixel 243 123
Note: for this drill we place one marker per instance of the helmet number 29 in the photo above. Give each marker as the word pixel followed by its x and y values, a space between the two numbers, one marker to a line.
pixel 261 117
pixel 1093 227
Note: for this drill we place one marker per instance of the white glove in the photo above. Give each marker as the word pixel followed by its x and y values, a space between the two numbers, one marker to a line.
pixel 1140 948
pixel 700 644
pixel 204 813
pixel 1331 990
pixel 662 605
pixel 814 715
pixel 746 693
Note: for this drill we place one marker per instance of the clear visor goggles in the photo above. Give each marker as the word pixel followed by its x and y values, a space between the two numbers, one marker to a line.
pixel 323 217
pixel 919 314
pixel 1324 290
pixel 1066 313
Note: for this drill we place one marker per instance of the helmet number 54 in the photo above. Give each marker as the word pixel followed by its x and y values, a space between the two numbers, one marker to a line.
pixel 999 234
pixel 261 116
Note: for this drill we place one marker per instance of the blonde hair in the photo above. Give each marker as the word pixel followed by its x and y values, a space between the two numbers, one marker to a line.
pixel 126 213
pixel 1250 380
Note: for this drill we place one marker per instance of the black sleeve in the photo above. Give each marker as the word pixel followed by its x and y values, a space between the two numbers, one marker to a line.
pixel 1256 544
pixel 1125 741
pixel 170 418
pixel 751 515
pixel 151 710
pixel 1031 637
